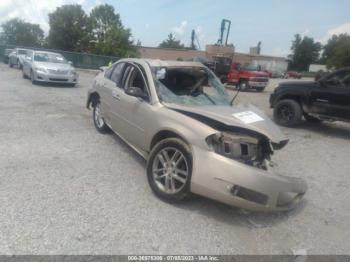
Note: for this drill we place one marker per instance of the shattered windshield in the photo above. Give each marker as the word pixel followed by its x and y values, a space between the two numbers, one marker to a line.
pixel 194 86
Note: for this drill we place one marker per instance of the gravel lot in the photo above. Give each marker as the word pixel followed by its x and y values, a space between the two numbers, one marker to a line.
pixel 65 189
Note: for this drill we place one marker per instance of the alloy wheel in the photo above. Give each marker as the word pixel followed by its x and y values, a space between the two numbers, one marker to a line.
pixel 170 170
pixel 98 117
pixel 286 112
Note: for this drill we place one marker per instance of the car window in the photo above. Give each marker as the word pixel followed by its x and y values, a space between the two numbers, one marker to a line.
pixel 339 79
pixel 117 72
pixel 108 72
pixel 126 75
pixel 22 52
pixel 136 79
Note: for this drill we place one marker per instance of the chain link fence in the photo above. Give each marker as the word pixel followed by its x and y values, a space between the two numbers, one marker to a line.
pixel 80 60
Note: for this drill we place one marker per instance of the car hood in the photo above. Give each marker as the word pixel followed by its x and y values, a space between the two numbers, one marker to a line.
pixel 255 73
pixel 245 117
pixel 54 66
pixel 298 84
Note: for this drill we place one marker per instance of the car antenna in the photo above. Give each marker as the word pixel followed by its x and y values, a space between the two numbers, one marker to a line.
pixel 234 97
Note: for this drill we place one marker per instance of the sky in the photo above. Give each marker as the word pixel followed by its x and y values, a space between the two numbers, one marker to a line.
pixel 273 22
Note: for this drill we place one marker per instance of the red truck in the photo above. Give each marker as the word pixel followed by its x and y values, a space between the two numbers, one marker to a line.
pixel 247 77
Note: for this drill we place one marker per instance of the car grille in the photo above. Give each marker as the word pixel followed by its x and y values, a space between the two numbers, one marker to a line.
pixel 261 79
pixel 58 79
pixel 58 72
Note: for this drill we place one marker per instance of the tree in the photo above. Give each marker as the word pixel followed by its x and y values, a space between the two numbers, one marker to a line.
pixel 20 33
pixel 171 42
pixel 305 51
pixel 336 53
pixel 109 37
pixel 69 29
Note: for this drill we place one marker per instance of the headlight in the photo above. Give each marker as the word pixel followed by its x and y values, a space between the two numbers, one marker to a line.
pixel 240 147
pixel 40 70
pixel 73 72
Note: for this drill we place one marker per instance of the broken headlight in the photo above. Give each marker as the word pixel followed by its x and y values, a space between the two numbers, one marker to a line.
pixel 244 148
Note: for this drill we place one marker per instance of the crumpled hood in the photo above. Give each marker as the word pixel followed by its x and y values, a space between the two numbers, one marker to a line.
pixel 242 116
pixel 54 66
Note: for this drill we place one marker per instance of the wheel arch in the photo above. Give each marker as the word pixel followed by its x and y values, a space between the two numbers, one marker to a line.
pixel 166 133
pixel 294 97
pixel 92 100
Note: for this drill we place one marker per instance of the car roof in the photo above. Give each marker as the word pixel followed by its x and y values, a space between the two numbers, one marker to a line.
pixel 46 52
pixel 26 49
pixel 164 63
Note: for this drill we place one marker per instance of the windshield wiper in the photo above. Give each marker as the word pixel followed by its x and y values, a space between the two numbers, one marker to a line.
pixel 234 97
pixel 211 100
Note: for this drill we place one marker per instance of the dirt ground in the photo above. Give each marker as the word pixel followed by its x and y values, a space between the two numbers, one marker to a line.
pixel 66 189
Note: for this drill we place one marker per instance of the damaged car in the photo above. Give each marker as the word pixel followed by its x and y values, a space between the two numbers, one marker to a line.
pixel 178 116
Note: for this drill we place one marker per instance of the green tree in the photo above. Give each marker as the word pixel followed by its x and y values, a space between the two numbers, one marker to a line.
pixel 108 33
pixel 171 42
pixel 69 29
pixel 336 53
pixel 18 32
pixel 305 51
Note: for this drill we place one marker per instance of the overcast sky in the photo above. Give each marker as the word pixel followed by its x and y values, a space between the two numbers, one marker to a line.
pixel 273 22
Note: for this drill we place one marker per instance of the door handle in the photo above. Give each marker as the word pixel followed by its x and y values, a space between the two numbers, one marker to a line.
pixel 322 100
pixel 116 96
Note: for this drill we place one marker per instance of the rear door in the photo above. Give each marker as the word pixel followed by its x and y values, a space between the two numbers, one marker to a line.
pixel 111 91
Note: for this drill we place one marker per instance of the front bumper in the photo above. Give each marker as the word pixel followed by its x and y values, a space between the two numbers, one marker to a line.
pixel 241 185
pixel 257 84
pixel 56 78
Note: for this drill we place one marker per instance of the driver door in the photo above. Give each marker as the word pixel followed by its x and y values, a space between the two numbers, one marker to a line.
pixel 136 112
pixel 334 95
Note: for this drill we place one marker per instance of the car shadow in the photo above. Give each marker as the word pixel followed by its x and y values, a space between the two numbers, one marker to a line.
pixel 336 129
pixel 57 85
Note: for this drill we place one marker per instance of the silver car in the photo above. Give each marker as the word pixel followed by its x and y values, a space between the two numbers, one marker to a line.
pixel 42 66
pixel 178 116
pixel 17 56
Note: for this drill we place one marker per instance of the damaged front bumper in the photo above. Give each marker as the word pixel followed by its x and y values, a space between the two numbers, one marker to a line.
pixel 241 185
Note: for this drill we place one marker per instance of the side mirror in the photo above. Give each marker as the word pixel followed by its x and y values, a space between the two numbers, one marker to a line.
pixel 28 58
pixel 70 62
pixel 136 92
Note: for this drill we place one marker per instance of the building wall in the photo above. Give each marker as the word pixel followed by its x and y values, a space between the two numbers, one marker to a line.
pixel 169 54
pixel 267 62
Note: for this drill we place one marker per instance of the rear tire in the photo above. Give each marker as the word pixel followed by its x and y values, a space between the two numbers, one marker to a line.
pixel 169 170
pixel 260 89
pixel 288 113
pixel 99 121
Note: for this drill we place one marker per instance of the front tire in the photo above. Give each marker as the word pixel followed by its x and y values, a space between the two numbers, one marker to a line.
pixel 260 89
pixel 32 78
pixel 288 113
pixel 99 121
pixel 243 85
pixel 169 170
pixel 24 75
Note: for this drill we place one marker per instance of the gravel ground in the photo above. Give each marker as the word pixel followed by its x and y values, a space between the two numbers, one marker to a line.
pixel 65 189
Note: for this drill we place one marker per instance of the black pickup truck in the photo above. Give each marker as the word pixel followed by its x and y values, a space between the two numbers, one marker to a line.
pixel 325 99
